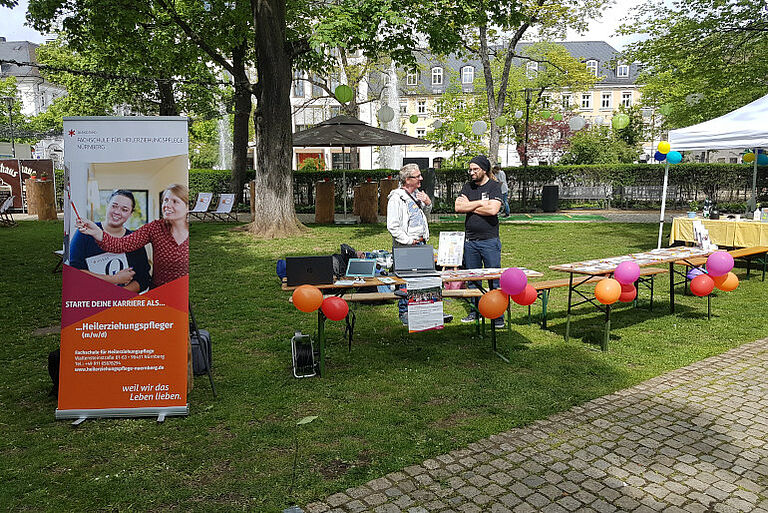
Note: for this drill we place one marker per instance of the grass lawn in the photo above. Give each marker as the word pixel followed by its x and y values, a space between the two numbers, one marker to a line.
pixel 395 400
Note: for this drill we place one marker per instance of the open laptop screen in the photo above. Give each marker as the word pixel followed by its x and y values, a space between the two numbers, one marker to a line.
pixel 409 258
pixel 361 267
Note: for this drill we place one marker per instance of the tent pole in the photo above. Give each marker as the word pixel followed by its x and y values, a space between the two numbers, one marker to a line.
pixel 344 181
pixel 753 201
pixel 663 202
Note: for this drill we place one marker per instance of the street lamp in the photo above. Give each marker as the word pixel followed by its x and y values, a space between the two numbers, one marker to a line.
pixel 9 100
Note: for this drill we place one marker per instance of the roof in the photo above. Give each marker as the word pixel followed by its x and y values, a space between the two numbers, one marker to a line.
pixel 20 51
pixel 346 131
pixel 584 51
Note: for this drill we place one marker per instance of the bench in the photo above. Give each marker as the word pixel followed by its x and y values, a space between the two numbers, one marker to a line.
pixel 760 253
pixel 646 278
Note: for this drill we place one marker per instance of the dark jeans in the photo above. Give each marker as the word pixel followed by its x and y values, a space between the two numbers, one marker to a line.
pixel 482 253
pixel 402 303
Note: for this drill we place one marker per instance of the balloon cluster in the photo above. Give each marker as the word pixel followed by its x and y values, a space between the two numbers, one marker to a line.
pixel 664 153
pixel 308 298
pixel 621 287
pixel 762 158
pixel 719 265
pixel 514 285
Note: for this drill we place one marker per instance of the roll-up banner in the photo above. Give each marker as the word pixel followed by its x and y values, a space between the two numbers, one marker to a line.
pixel 125 290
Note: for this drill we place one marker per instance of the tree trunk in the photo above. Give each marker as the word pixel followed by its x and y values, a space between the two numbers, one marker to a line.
pixel 241 119
pixel 275 215
pixel 168 105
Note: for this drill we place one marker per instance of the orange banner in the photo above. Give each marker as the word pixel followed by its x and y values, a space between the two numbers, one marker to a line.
pixel 122 351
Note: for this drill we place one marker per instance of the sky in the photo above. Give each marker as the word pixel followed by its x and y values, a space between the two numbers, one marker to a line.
pixel 13 29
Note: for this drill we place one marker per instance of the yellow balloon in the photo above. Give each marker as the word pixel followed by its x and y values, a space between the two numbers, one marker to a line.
pixel 748 157
pixel 664 147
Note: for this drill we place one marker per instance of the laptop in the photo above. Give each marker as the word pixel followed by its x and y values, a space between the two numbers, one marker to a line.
pixel 309 270
pixel 361 268
pixel 414 261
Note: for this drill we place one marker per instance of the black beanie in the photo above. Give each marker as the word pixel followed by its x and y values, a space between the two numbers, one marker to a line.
pixel 483 162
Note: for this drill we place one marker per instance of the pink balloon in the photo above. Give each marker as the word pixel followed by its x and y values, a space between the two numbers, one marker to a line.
pixel 719 263
pixel 513 281
pixel 627 272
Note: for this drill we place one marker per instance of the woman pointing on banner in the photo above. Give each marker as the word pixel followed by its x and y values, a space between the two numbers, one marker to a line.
pixel 169 237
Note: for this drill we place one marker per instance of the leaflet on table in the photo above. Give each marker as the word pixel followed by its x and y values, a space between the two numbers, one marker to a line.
pixel 450 252
pixel 425 304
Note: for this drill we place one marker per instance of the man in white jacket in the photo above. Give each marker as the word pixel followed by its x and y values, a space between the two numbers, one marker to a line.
pixel 407 210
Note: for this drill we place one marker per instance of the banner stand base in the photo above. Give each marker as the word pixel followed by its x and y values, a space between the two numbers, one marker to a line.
pixel 160 412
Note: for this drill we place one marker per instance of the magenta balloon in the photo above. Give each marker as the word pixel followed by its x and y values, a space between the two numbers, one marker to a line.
pixel 513 281
pixel 627 272
pixel 719 263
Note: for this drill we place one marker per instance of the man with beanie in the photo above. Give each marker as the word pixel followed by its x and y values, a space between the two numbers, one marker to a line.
pixel 480 199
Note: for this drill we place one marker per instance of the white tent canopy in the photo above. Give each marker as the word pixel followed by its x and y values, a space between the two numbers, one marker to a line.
pixel 746 127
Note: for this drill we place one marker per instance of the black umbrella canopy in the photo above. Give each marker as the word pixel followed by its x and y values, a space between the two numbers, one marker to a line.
pixel 351 132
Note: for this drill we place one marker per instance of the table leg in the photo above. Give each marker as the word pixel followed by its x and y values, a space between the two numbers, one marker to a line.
pixel 653 279
pixel 749 264
pixel 544 301
pixel 321 340
pixel 709 307
pixel 607 334
pixel 568 317
pixel 671 287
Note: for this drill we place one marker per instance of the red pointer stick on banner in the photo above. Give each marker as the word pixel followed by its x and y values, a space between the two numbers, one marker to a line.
pixel 73 206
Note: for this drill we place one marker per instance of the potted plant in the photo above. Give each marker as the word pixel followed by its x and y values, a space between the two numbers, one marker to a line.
pixel 693 206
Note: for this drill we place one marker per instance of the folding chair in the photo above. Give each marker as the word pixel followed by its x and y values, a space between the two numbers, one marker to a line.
pixel 200 210
pixel 6 219
pixel 223 210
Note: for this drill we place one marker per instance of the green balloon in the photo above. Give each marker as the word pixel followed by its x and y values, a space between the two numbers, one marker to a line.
pixel 501 121
pixel 414 119
pixel 460 127
pixel 545 114
pixel 620 121
pixel 344 93
pixel 558 116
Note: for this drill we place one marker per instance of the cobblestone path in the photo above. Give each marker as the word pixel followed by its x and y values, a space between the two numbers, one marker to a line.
pixel 692 440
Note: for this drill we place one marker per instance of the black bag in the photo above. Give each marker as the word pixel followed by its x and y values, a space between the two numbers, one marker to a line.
pixel 54 358
pixel 201 352
pixel 340 260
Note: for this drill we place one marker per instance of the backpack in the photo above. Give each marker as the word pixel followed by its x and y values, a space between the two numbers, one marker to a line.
pixel 340 260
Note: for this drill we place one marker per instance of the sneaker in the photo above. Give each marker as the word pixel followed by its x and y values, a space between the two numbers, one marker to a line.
pixel 447 318
pixel 498 324
pixel 472 317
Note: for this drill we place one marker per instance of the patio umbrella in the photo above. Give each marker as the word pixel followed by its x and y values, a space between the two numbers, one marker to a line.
pixel 348 132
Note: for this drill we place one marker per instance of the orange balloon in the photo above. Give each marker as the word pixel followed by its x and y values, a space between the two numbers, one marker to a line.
pixel 493 304
pixel 307 298
pixel 726 282
pixel 607 291
pixel 526 297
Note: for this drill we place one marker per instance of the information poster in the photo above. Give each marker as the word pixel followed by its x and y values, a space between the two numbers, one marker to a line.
pixel 123 345
pixel 425 304
pixel 450 253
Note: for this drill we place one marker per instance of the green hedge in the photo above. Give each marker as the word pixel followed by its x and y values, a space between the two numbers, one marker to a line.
pixel 693 181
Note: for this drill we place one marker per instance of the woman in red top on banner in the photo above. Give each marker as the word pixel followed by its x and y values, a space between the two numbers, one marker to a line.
pixel 169 237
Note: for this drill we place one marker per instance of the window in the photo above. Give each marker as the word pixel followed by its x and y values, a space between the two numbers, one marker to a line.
pixel 335 81
pixel 586 100
pixel 546 100
pixel 316 89
pixel 567 101
pixel 467 75
pixel 592 67
pixel 412 78
pixel 421 132
pixel 403 107
pixel 462 105
pixel 42 100
pixel 626 98
pixel 341 160
pixel 422 107
pixel 298 84
pixel 439 108
pixel 622 70
pixel 437 76
pixel 335 110
pixel 606 100
pixel 531 69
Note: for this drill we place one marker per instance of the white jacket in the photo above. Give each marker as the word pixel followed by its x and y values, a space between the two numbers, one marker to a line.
pixel 404 225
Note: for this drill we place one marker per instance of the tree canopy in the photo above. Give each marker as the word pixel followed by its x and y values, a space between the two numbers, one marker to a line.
pixel 702 58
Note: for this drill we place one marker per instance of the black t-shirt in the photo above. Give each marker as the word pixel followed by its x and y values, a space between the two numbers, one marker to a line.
pixel 476 226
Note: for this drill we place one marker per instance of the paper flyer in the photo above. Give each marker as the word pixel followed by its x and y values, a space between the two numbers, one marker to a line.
pixel 425 304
